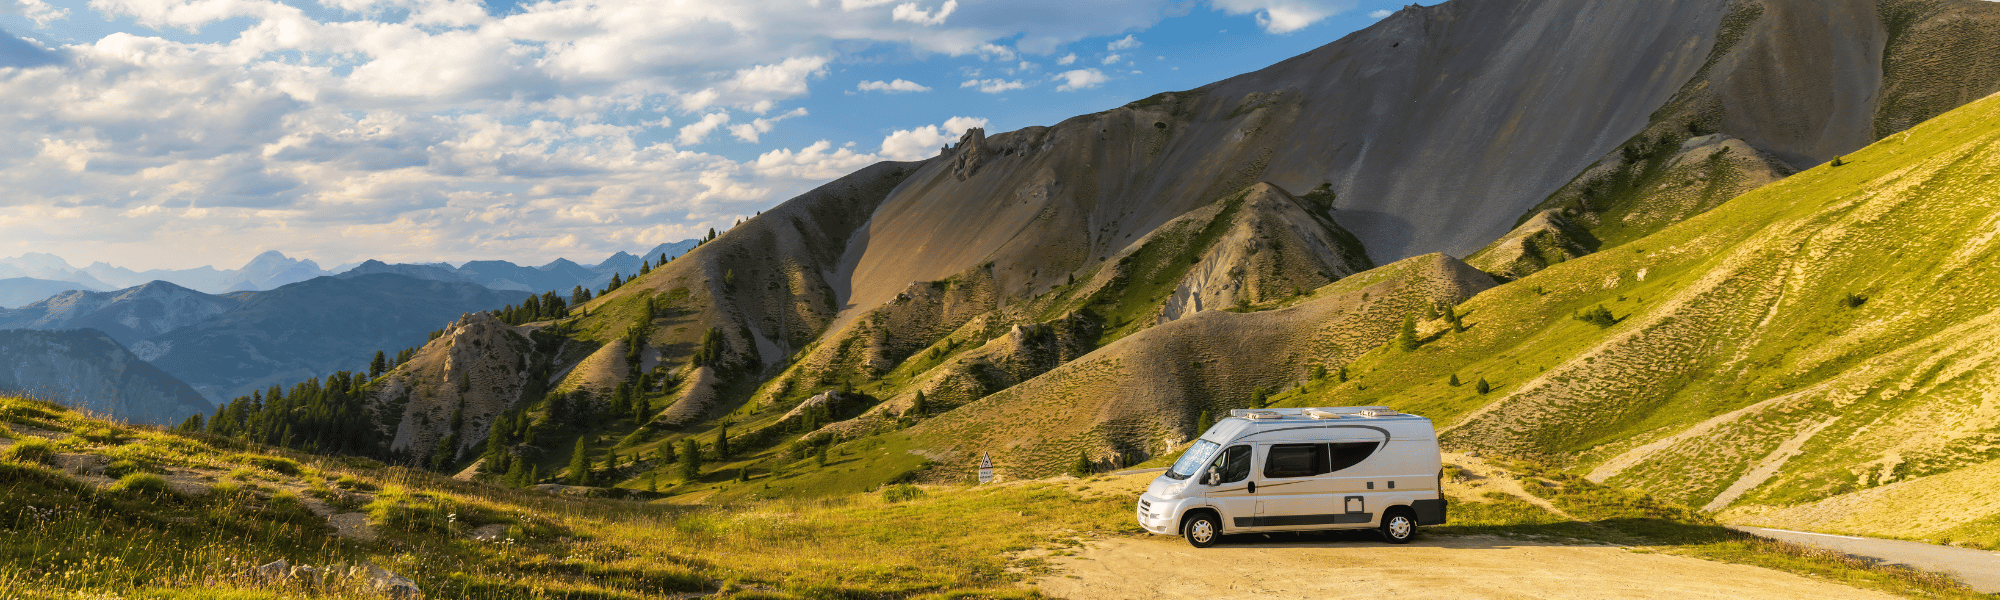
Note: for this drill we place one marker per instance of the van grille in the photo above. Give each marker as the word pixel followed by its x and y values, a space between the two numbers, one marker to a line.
pixel 1145 506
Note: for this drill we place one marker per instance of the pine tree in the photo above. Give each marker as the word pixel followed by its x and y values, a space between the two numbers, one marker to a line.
pixel 711 235
pixel 1203 423
pixel 610 465
pixel 1482 387
pixel 666 454
pixel 743 473
pixel 579 463
pixel 1083 465
pixel 378 366
pixel 819 456
pixel 722 441
pixel 1406 338
pixel 690 460
pixel 1343 374
pixel 918 406
pixel 1454 380
pixel 517 474
pixel 1451 316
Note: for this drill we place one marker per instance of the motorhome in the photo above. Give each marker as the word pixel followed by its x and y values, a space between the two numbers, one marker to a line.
pixel 1302 469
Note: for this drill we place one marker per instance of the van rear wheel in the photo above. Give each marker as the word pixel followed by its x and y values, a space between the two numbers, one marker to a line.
pixel 1201 529
pixel 1398 527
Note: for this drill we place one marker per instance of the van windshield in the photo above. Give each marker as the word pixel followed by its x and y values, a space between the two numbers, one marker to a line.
pixel 1193 460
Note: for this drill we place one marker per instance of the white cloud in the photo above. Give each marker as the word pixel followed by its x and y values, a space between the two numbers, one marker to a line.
pixel 1285 16
pixel 35 10
pixel 817 162
pixel 994 86
pixel 924 142
pixel 1066 60
pixel 892 87
pixel 1127 43
pixel 1080 79
pixel 748 132
pixel 1113 58
pixel 697 132
pixel 910 13
pixel 1380 14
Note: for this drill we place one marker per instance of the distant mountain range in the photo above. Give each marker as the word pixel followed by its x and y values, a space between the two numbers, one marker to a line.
pixel 34 276
pixel 88 370
pixel 229 344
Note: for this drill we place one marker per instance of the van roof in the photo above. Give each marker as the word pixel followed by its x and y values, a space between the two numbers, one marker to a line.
pixel 1243 422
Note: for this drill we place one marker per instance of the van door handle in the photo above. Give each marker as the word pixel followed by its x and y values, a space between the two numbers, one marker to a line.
pixel 1253 487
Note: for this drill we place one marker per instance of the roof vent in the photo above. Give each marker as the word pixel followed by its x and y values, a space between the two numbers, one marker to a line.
pixel 1261 414
pixel 1321 414
pixel 1378 412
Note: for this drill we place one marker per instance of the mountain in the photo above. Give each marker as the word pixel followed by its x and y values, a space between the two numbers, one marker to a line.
pixel 204 278
pixel 128 316
pixel 313 328
pixel 1085 291
pixel 272 269
pixel 18 291
pixel 90 371
pixel 44 267
pixel 430 272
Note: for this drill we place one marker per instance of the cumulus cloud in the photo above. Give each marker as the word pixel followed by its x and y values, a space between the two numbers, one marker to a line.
pixel 697 132
pixel 1285 16
pixel 924 142
pixel 1066 60
pixel 1080 79
pixel 1126 43
pixel 994 86
pixel 911 13
pixel 748 132
pixel 433 129
pixel 892 87
pixel 1113 59
pixel 1381 13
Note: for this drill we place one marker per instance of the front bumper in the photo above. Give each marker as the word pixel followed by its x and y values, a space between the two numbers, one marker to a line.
pixel 1158 516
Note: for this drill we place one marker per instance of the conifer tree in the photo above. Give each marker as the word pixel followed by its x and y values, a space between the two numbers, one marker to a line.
pixel 1343 374
pixel 690 460
pixel 579 463
pixel 722 441
pixel 517 474
pixel 378 366
pixel 1406 338
pixel 1482 387
pixel 919 406
pixel 1203 423
pixel 819 456
pixel 1454 380
pixel 1083 466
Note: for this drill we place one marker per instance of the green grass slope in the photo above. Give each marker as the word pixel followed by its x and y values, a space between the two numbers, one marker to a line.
pixel 1827 334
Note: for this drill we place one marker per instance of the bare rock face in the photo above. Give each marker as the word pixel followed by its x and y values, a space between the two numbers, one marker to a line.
pixel 1275 246
pixel 456 386
pixel 971 153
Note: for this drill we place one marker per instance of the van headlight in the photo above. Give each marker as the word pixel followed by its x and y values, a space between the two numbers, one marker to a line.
pixel 1174 492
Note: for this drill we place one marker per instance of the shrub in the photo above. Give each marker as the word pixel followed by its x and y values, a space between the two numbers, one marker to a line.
pixel 901 493
pixel 146 484
pixel 279 465
pixel 100 434
pixel 1854 300
pixel 1597 315
pixel 31 450
pixel 124 467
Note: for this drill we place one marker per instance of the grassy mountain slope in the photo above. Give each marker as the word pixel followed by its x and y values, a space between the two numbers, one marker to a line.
pixel 94 509
pixel 1819 337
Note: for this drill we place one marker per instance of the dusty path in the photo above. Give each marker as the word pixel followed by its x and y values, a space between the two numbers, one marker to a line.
pixel 1359 565
pixel 1977 569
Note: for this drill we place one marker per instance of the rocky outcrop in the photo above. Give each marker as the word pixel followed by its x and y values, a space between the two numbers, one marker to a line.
pixel 456 386
pixel 88 370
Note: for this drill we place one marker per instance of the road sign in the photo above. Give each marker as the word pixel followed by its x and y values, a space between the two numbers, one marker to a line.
pixel 985 467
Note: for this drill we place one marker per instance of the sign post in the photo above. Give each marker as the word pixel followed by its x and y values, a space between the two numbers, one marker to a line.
pixel 985 467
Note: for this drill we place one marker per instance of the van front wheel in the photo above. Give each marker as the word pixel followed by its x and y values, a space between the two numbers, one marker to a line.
pixel 1201 529
pixel 1398 527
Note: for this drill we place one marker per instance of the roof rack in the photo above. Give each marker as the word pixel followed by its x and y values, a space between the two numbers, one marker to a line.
pixel 1377 411
pixel 1316 413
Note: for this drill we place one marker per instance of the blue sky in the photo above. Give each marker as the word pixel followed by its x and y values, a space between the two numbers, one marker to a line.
pixel 179 133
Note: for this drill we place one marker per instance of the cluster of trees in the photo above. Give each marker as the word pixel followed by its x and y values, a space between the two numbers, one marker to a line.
pixel 546 307
pixel 315 416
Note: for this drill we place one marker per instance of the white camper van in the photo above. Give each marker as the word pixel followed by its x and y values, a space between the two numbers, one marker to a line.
pixel 1298 469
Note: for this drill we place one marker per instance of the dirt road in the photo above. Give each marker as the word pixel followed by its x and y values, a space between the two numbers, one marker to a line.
pixel 1359 565
pixel 1978 569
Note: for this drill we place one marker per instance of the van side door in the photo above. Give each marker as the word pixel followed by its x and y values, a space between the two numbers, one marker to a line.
pixel 1231 489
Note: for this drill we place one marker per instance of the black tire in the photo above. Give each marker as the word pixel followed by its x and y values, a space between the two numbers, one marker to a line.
pixel 1201 529
pixel 1399 526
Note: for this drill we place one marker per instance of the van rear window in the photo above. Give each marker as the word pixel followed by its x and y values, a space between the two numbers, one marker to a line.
pixel 1348 454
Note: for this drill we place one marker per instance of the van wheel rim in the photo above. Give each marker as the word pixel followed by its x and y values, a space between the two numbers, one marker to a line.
pixel 1202 531
pixel 1399 527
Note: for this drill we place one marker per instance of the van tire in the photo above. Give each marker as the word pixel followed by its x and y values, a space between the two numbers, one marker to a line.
pixel 1399 526
pixel 1201 528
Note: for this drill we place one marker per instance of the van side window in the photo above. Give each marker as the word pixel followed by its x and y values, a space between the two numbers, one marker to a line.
pixel 1234 465
pixel 1348 454
pixel 1295 460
